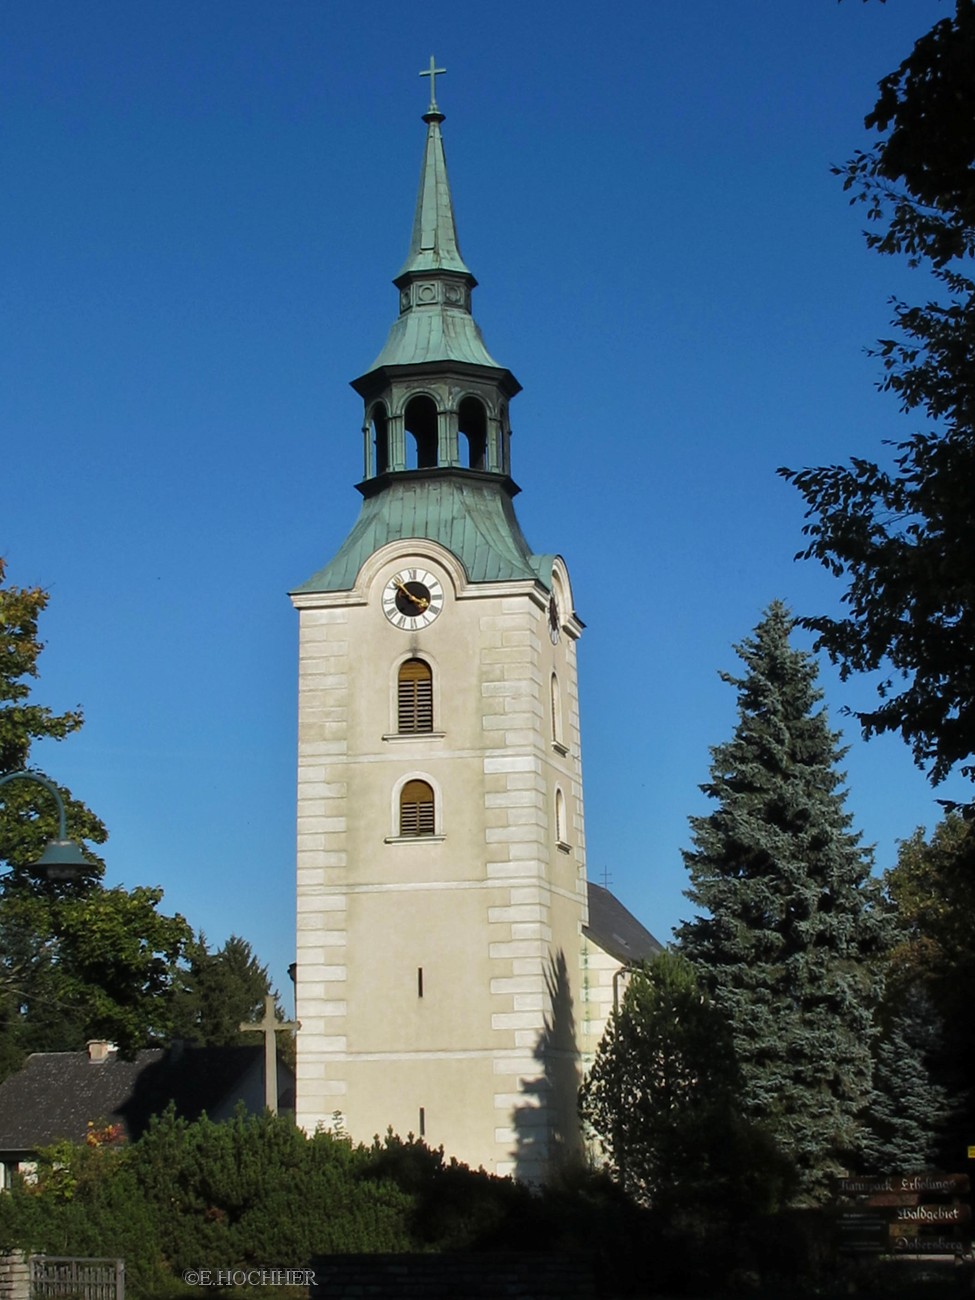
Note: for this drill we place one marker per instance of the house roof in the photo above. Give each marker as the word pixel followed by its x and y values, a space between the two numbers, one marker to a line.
pixel 56 1094
pixel 616 930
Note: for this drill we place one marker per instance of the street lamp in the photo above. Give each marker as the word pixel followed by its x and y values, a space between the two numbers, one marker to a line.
pixel 63 859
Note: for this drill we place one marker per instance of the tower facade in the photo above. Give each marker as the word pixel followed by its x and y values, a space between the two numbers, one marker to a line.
pixel 441 851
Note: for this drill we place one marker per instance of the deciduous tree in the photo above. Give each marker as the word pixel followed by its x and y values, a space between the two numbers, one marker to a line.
pixel 77 961
pixel 662 1097
pixel 933 891
pixel 28 815
pixel 903 534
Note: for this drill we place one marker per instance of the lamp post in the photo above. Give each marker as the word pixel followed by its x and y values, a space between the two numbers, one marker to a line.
pixel 63 859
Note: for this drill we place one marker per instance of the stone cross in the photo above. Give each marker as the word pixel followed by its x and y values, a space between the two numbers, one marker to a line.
pixel 431 72
pixel 269 1027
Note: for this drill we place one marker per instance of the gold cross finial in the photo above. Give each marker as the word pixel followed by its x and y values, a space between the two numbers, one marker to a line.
pixel 432 72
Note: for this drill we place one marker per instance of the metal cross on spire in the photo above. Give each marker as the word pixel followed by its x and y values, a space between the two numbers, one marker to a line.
pixel 432 72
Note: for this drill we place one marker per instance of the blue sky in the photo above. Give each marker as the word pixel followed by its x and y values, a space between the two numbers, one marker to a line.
pixel 203 206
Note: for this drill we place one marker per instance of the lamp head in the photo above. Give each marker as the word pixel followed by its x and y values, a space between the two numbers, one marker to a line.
pixel 62 860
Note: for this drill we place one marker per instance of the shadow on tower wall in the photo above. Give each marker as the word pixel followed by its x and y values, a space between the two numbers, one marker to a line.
pixel 547 1133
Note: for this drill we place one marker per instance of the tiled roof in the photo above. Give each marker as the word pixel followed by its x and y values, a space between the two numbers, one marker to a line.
pixel 56 1094
pixel 616 930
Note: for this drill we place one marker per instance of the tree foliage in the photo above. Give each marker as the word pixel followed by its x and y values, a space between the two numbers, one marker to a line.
pixel 907 1106
pixel 28 815
pixel 933 890
pixel 218 991
pixel 788 931
pixel 95 965
pixel 662 1096
pixel 904 536
pixel 258 1192
pixel 77 960
pixel 663 1068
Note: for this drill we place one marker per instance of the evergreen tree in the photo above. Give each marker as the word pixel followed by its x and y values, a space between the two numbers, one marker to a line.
pixel 906 1108
pixel 787 933
pixel 219 991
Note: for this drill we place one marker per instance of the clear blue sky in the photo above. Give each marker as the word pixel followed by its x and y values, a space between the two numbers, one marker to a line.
pixel 203 205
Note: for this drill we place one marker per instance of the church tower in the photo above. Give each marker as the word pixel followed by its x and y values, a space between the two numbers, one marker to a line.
pixel 441 864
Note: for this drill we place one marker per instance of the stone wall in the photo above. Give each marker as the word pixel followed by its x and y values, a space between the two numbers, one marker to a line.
pixel 14 1276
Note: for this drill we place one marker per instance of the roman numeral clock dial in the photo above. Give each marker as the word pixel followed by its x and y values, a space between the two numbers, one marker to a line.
pixel 412 599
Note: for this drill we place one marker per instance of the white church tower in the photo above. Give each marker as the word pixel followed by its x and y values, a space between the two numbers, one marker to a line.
pixel 442 891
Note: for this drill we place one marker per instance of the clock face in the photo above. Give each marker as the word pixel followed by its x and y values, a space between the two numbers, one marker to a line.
pixel 412 599
pixel 554 621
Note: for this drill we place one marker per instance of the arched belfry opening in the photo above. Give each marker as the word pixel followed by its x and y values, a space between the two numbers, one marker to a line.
pixel 420 420
pixel 472 424
pixel 379 419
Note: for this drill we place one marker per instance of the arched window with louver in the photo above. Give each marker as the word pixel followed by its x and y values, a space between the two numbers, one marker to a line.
pixel 416 809
pixel 414 700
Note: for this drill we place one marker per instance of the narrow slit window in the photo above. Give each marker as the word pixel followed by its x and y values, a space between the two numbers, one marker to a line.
pixel 556 711
pixel 419 981
pixel 415 697
pixel 416 811
pixel 423 1121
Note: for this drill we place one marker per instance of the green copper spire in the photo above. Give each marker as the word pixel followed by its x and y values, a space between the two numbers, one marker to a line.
pixel 433 246
pixel 436 437
pixel 435 283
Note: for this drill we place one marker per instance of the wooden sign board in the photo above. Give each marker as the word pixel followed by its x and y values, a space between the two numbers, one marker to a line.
pixel 904 1214
pixel 933 1215
pixel 900 1184
pixel 927 1245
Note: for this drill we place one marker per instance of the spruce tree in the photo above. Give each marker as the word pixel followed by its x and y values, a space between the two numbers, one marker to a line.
pixel 219 991
pixel 787 930
pixel 907 1107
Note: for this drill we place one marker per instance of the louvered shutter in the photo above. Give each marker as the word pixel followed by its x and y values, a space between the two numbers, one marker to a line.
pixel 415 700
pixel 416 809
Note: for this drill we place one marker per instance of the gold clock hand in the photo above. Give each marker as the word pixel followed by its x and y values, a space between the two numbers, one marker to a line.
pixel 420 601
